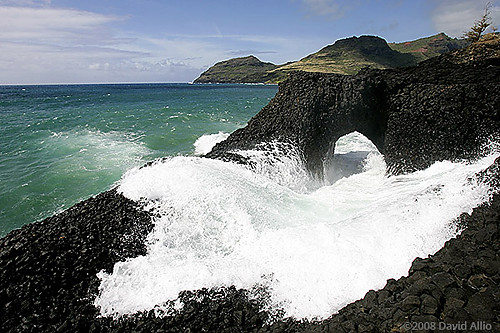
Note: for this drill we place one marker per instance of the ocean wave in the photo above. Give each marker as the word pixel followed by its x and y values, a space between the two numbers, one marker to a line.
pixel 204 144
pixel 222 224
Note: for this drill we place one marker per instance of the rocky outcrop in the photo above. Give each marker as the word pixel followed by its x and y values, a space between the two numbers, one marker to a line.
pixel 415 116
pixel 48 269
pixel 311 111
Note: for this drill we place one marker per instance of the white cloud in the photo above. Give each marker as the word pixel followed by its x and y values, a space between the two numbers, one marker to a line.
pixel 22 3
pixel 41 44
pixel 53 25
pixel 327 8
pixel 456 17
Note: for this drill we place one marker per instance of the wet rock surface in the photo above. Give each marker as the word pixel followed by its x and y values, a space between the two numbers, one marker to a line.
pixel 48 281
pixel 440 111
pixel 312 111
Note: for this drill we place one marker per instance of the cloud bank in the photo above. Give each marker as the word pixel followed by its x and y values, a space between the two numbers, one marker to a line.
pixel 41 44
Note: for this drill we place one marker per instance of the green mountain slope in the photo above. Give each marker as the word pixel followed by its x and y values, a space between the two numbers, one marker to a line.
pixel 428 47
pixel 346 56
pixel 239 70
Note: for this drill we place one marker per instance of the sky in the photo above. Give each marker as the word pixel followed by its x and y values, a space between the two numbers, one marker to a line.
pixel 108 41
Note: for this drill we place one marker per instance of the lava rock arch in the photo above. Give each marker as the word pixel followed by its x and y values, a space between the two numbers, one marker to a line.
pixel 415 116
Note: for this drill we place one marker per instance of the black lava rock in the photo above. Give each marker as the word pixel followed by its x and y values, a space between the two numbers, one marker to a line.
pixel 48 269
pixel 438 110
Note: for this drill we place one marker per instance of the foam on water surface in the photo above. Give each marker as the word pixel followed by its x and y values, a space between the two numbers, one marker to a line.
pixel 223 224
pixel 70 165
pixel 93 150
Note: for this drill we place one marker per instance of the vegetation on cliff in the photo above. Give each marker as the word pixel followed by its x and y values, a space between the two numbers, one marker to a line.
pixel 429 47
pixel 488 46
pixel 239 70
pixel 348 56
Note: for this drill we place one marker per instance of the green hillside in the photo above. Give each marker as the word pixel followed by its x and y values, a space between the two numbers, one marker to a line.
pixel 239 70
pixel 346 56
pixel 428 47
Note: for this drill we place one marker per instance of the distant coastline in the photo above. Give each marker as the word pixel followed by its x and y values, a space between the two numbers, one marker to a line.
pixel 345 56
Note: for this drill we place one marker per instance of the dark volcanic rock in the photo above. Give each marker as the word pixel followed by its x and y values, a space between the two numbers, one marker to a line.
pixel 441 111
pixel 415 116
pixel 311 111
pixel 48 269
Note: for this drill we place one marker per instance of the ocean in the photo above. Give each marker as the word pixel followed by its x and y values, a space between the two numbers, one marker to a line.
pixel 314 245
pixel 62 144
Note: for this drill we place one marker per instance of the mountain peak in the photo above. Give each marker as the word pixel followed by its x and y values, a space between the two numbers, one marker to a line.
pixel 367 45
pixel 349 55
pixel 251 59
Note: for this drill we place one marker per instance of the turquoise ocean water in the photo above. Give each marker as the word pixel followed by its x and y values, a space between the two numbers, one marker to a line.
pixel 64 143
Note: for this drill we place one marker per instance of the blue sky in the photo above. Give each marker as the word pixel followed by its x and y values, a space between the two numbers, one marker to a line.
pixel 97 41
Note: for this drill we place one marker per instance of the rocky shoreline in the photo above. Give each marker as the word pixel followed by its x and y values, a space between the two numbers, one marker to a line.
pixel 48 280
pixel 437 110
pixel 48 269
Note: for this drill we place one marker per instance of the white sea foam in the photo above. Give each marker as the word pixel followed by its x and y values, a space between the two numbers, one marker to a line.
pixel 94 151
pixel 282 163
pixel 222 224
pixel 204 144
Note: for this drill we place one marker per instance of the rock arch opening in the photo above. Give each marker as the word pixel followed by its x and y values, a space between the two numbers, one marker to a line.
pixel 348 156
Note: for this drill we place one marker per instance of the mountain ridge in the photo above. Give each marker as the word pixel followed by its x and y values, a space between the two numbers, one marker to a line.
pixel 346 56
pixel 429 47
